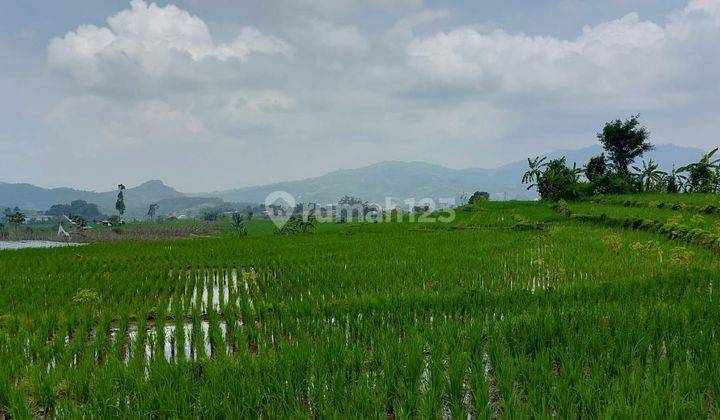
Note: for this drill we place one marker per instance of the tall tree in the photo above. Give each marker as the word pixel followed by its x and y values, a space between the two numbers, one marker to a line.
pixel 625 141
pixel 120 203
pixel 532 175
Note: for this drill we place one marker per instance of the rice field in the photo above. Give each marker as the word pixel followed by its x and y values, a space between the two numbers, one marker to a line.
pixel 513 310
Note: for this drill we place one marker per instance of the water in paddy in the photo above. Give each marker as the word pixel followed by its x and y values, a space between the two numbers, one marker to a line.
pixel 34 244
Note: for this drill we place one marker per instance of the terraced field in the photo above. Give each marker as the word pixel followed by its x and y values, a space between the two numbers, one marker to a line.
pixel 513 310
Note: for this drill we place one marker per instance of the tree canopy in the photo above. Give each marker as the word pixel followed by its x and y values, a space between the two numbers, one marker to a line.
pixel 82 208
pixel 624 142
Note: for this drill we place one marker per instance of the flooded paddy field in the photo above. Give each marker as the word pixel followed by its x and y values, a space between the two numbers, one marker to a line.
pixel 9 245
pixel 480 319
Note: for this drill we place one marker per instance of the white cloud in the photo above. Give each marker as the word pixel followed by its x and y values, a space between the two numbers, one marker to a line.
pixel 614 57
pixel 158 84
pixel 709 7
pixel 403 29
pixel 149 38
pixel 320 34
pixel 94 124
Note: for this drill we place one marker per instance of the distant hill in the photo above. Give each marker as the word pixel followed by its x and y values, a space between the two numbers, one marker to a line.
pixel 28 196
pixel 399 180
pixel 403 180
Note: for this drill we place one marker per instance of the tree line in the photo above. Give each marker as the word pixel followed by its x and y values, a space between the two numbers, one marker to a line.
pixel 614 171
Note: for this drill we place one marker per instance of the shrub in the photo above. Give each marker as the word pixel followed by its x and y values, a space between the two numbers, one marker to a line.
pixel 479 197
pixel 558 182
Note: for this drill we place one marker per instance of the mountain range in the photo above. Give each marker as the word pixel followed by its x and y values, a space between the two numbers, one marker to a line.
pixel 403 180
pixel 399 180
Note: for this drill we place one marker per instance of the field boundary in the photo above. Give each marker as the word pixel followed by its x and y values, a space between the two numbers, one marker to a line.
pixel 673 231
pixel 653 204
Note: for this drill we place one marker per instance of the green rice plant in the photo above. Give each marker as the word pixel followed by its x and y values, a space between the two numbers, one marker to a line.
pixel 613 242
pixel 680 257
pixel 372 320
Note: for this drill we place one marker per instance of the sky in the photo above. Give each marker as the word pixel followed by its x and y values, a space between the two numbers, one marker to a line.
pixel 209 95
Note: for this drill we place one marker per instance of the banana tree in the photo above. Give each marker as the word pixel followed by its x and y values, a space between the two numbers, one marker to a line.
pixel 675 181
pixel 649 176
pixel 532 175
pixel 701 174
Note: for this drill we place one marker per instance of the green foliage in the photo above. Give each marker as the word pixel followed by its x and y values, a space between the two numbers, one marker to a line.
pixel 522 223
pixel 86 296
pixel 561 206
pixel 702 175
pixel 239 224
pixel 82 208
pixel 351 207
pixel 613 242
pixel 650 178
pixel 675 181
pixel 532 176
pixel 680 257
pixel 16 218
pixel 596 169
pixel 152 210
pixel 479 197
pixel 625 141
pixel 120 202
pixel 558 181
pixel 211 215
pixel 488 317
pixel 296 225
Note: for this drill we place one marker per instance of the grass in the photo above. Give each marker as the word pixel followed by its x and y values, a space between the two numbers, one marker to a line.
pixel 476 317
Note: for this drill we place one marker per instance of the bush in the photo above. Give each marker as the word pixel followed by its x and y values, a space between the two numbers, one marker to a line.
pixel 558 182
pixel 479 197
pixel 615 184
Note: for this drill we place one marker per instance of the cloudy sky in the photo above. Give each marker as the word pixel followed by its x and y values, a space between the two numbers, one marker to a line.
pixel 215 94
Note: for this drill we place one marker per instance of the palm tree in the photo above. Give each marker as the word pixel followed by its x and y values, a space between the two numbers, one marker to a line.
pixel 649 175
pixel 701 174
pixel 535 170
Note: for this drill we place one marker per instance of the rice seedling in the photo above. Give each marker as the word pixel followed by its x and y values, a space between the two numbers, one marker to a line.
pixel 475 319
